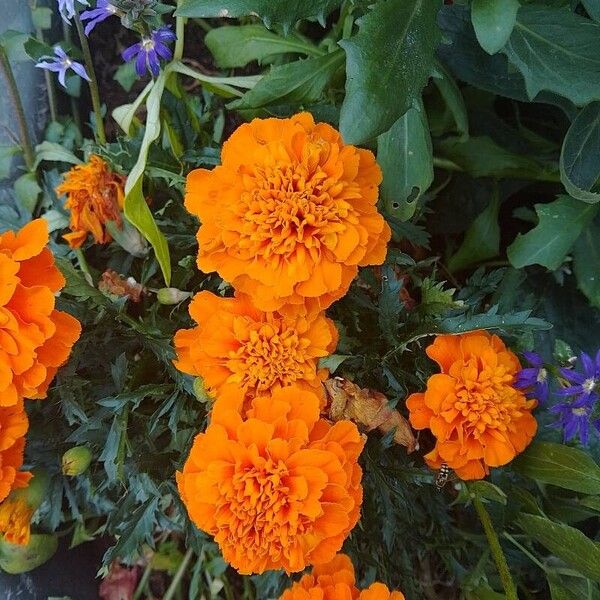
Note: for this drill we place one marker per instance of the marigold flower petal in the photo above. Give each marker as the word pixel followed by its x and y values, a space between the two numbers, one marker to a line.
pixel 13 427
pixel 15 520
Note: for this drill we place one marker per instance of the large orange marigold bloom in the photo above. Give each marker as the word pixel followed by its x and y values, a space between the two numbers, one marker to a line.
pixel 335 580
pixel 278 490
pixel 95 195
pixel 13 427
pixel 290 214
pixel 35 339
pixel 240 351
pixel 479 418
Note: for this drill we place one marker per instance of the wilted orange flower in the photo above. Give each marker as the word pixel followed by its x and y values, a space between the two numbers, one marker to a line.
pixel 95 195
pixel 240 351
pixel 279 490
pixel 35 339
pixel 290 214
pixel 13 427
pixel 479 418
pixel 113 284
pixel 15 520
pixel 335 581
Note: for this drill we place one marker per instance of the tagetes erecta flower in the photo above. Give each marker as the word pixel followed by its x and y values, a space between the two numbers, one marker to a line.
pixel 13 427
pixel 240 351
pixel 290 214
pixel 35 339
pixel 479 417
pixel 335 580
pixel 15 520
pixel 95 195
pixel 280 489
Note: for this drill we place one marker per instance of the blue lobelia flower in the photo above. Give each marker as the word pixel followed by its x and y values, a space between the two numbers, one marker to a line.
pixel 60 63
pixel 103 10
pixel 150 50
pixel 534 378
pixel 67 9
pixel 575 420
pixel 586 384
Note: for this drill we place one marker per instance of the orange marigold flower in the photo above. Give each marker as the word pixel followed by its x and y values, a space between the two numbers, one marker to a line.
pixel 290 214
pixel 280 489
pixel 15 520
pixel 95 195
pixel 35 339
pixel 240 351
pixel 479 418
pixel 13 427
pixel 335 581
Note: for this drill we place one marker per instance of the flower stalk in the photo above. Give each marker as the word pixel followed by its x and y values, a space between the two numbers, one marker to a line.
pixel 15 98
pixel 180 32
pixel 499 558
pixel 93 83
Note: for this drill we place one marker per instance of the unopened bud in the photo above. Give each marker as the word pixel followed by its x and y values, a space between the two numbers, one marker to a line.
pixel 200 390
pixel 76 460
pixel 171 296
pixel 128 237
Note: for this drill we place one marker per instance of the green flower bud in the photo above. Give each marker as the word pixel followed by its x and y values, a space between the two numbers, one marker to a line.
pixel 171 296
pixel 200 391
pixel 76 461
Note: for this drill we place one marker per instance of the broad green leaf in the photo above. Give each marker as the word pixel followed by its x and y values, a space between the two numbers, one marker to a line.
pixel 593 9
pixel 482 238
pixel 567 543
pixel 558 591
pixel 238 46
pixel 487 490
pixel 27 190
pixel 586 256
pixel 301 81
pixel 15 559
pixel 126 75
pixel 6 158
pixel 41 17
pixel 405 156
pixel 125 114
pixel 135 207
pixel 556 50
pixel 272 12
pixel 453 98
pixel 592 502
pixel 493 21
pixel 549 241
pixel 36 49
pixel 13 43
pixel 222 86
pixel 388 63
pixel 53 152
pixel 559 465
pixel 580 155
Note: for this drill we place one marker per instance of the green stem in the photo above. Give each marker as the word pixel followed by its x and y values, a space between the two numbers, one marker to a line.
pixel 15 97
pixel 497 553
pixel 83 265
pixel 122 443
pixel 524 550
pixel 447 165
pixel 179 575
pixel 93 83
pixel 180 32
pixel 143 581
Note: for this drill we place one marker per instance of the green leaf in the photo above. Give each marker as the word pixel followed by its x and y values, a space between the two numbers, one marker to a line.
pixel 593 9
pixel 493 21
pixel 405 156
pixel 492 320
pixel 556 50
pixel 388 63
pixel 36 49
pixel 592 502
pixel 13 43
pixel 580 155
pixel 487 490
pixel 453 98
pixel 126 75
pixel 6 158
pixel 135 207
pixel 27 190
pixel 301 81
pixel 41 17
pixel 549 241
pixel 237 46
pixel 272 12
pixel 482 238
pixel 332 362
pixel 559 465
pixel 53 152
pixel 586 256
pixel 567 543
pixel 558 591
pixel 77 285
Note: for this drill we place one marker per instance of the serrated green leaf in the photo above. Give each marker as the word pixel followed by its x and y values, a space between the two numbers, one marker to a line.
pixel 272 12
pixel 580 155
pixel 405 156
pixel 556 50
pixel 332 362
pixel 567 543
pixel 586 257
pixel 549 241
pixel 559 465
pixel 492 320
pixel 388 63
pixel 237 46
pixel 301 81
pixel 493 21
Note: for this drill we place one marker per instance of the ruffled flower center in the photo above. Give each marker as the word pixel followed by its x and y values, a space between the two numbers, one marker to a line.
pixel 15 519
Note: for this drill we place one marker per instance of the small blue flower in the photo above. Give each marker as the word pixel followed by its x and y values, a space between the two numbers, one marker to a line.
pixel 575 419
pixel 150 50
pixel 534 379
pixel 103 10
pixel 586 384
pixel 67 9
pixel 61 63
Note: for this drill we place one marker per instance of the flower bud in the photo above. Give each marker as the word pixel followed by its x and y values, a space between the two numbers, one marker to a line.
pixel 171 296
pixel 200 391
pixel 76 461
pixel 129 238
